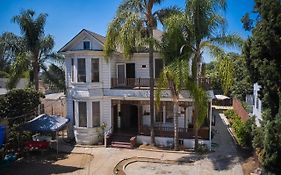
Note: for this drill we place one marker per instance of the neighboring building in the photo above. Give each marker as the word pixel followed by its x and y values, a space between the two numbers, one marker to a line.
pixel 22 83
pixel 54 104
pixel 115 92
pixel 257 105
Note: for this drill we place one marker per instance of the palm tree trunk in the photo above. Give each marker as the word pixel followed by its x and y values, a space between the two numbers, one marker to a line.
pixel 195 78
pixel 36 72
pixel 176 133
pixel 151 88
pixel 195 129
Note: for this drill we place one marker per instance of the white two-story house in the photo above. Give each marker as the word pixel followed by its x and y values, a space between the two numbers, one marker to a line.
pixel 114 93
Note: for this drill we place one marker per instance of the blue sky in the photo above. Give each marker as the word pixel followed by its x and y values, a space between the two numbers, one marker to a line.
pixel 67 17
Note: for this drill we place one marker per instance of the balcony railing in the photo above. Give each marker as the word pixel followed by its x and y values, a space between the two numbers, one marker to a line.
pixel 184 133
pixel 144 82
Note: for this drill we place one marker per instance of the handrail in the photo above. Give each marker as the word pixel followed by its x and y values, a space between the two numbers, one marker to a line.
pixel 106 133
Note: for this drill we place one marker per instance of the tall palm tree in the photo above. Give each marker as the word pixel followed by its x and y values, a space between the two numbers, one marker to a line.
pixel 202 28
pixel 33 33
pixel 132 30
pixel 173 76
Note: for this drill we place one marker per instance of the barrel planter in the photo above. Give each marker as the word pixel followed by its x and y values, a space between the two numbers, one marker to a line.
pixel 2 135
pixel 86 136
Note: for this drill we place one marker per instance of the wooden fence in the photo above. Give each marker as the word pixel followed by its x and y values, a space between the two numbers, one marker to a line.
pixel 239 109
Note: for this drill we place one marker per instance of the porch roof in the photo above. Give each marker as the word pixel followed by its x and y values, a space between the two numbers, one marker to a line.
pixel 127 94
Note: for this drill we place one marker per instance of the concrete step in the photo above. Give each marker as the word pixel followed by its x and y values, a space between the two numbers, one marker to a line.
pixel 116 144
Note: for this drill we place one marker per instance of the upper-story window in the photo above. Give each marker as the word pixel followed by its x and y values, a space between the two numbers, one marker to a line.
pixel 72 69
pixel 95 70
pixel 86 45
pixel 81 70
pixel 158 67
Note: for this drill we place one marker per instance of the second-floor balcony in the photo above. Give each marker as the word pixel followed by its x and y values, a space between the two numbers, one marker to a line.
pixel 139 83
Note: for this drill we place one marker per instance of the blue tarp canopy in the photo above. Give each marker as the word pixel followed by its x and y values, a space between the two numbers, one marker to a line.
pixel 45 123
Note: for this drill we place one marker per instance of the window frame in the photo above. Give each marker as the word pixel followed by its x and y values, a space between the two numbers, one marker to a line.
pixel 93 71
pixel 94 124
pixel 86 41
pixel 79 115
pixel 72 70
pixel 85 71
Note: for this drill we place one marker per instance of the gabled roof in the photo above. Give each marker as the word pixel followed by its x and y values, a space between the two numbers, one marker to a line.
pixel 98 37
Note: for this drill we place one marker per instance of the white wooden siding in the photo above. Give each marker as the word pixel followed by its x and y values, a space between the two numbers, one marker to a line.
pixel 106 112
pixel 78 45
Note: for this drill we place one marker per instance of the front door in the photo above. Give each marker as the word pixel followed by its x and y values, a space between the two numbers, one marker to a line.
pixel 129 118
pixel 121 74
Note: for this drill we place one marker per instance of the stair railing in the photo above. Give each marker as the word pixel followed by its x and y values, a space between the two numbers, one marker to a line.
pixel 106 133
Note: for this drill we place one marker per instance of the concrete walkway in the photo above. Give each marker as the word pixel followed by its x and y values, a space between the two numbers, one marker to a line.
pixel 223 161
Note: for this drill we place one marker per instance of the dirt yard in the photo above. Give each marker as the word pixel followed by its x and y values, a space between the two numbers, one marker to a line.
pixel 48 163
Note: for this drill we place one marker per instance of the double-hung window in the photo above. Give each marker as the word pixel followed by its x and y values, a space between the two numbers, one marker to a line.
pixel 81 72
pixel 95 70
pixel 82 111
pixel 96 114
pixel 72 70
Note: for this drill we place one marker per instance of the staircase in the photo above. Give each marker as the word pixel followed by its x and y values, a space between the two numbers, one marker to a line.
pixel 123 141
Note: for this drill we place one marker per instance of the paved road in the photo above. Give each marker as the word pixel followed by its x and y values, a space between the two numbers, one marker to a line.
pixel 223 161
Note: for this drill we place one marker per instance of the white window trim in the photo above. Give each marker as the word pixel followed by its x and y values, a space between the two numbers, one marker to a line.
pixel 99 70
pixel 89 113
pixel 77 71
pixel 117 64
pixel 77 116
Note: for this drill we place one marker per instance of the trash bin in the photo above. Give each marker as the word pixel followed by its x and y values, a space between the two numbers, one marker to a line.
pixel 2 135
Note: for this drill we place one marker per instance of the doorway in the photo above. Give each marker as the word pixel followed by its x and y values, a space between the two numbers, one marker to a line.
pixel 129 118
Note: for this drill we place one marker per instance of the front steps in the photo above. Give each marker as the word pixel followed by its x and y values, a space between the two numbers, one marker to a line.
pixel 123 141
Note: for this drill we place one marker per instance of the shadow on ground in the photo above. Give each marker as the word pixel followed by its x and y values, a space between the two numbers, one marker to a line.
pixel 38 163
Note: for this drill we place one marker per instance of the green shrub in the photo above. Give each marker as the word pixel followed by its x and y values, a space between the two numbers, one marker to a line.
pixel 229 113
pixel 18 102
pixel 243 130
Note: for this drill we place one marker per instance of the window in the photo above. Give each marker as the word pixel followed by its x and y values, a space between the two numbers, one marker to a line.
pixel 169 113
pixel 72 70
pixel 257 103
pixel 73 110
pixel 82 111
pixel 158 67
pixel 81 76
pixel 159 114
pixel 96 114
pixel 86 45
pixel 95 70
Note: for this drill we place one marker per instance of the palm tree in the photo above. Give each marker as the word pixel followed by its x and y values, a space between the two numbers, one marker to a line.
pixel 202 28
pixel 27 53
pixel 33 34
pixel 132 30
pixel 173 76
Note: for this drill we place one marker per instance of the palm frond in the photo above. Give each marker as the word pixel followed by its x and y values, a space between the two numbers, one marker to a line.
pixel 228 40
pixel 19 66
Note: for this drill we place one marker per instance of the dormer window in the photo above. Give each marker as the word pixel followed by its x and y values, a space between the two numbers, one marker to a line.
pixel 86 45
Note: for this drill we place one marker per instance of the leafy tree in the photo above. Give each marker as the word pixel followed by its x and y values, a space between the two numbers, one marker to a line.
pixel 242 83
pixel 263 52
pixel 132 31
pixel 198 28
pixel 54 76
pixel 211 71
pixel 18 102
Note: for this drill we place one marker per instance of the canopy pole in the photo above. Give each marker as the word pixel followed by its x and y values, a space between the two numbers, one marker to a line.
pixel 57 142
